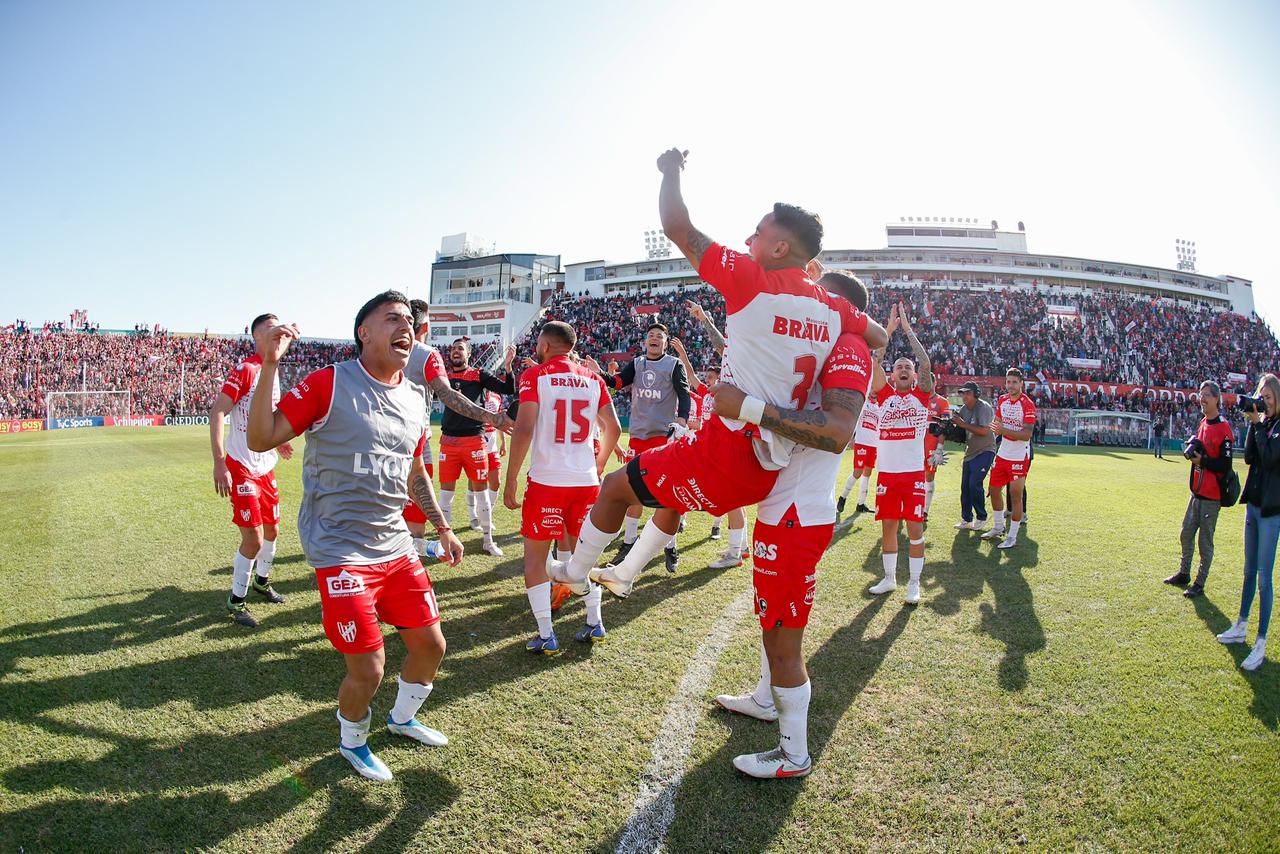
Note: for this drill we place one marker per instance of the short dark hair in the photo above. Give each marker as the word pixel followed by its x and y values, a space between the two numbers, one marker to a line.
pixel 262 318
pixel 367 309
pixel 656 325
pixel 1015 372
pixel 421 313
pixel 846 285
pixel 805 227
pixel 465 341
pixel 560 331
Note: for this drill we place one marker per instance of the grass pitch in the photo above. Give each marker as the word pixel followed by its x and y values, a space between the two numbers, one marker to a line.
pixel 1053 697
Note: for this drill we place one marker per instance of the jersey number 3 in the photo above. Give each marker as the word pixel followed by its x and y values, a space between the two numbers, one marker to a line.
pixel 571 410
pixel 806 367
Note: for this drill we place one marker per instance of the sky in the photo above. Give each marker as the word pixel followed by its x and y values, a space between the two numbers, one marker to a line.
pixel 195 164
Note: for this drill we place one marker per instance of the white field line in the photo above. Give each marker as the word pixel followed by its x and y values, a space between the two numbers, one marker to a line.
pixel 655 807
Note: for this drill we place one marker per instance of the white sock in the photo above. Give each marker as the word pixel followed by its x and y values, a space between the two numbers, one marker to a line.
pixel 241 569
pixel 594 593
pixel 266 558
pixel 409 699
pixel 446 506
pixel 591 544
pixel 715 523
pixel 354 733
pixel 916 565
pixel 564 557
pixel 793 721
pixel 848 485
pixel 494 499
pixel 540 601
pixel 997 518
pixel 472 499
pixel 763 695
pixel 1013 527
pixel 864 483
pixel 651 541
pixel 737 539
pixel 633 526
pixel 928 495
pixel 671 543
pixel 484 513
pixel 890 561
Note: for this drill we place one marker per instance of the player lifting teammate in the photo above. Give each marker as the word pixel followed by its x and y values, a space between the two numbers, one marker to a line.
pixel 363 459
pixel 1014 422
pixel 560 402
pixel 247 477
pixel 781 327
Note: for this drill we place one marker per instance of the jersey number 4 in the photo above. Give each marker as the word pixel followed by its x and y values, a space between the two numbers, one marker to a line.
pixel 806 367
pixel 575 411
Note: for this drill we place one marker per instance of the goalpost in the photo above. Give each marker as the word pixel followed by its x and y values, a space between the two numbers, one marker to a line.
pixel 85 404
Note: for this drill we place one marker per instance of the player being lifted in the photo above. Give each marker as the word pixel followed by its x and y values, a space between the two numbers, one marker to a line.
pixel 363 459
pixel 462 442
pixel 659 398
pixel 781 327
pixel 1014 422
pixel 560 402
pixel 427 373
pixel 904 421
pixel 247 477
pixel 864 450
pixel 793 528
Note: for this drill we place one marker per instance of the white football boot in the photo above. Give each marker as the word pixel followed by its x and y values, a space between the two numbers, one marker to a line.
pixel 745 704
pixel 771 765
pixel 607 578
pixel 885 585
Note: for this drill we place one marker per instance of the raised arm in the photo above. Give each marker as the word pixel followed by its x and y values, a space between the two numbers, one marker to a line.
pixel 827 429
pixel 925 369
pixel 456 401
pixel 690 373
pixel 717 340
pixel 267 427
pixel 673 212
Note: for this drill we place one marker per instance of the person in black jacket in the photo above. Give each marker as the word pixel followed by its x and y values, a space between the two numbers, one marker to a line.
pixel 1261 496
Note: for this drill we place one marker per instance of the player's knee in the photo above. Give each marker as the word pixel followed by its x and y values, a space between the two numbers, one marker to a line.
pixel 251 539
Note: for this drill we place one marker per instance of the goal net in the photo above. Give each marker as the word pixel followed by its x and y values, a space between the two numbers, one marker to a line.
pixel 85 404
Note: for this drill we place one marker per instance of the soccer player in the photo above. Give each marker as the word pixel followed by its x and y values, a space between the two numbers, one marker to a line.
pixel 462 443
pixel 781 327
pixel 1014 422
pixel 864 450
pixel 495 445
pixel 938 406
pixel 363 458
pixel 428 375
pixel 560 401
pixel 904 421
pixel 659 398
pixel 793 528
pixel 248 479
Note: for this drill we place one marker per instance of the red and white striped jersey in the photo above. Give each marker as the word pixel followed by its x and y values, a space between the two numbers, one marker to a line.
pixel 1015 415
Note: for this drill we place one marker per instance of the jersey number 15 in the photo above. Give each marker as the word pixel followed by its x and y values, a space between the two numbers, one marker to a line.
pixel 575 411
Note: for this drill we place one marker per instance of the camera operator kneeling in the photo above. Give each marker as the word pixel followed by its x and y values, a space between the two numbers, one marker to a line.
pixel 1209 451
pixel 1262 513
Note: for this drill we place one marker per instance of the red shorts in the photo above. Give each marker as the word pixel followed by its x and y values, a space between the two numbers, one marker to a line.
pixel 714 470
pixel 460 454
pixel 495 464
pixel 786 569
pixel 551 512
pixel 636 447
pixel 900 495
pixel 1006 471
pixel 412 512
pixel 255 499
pixel 864 457
pixel 354 598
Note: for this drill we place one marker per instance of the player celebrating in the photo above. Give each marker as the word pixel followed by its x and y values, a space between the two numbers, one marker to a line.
pixel 938 406
pixel 462 443
pixel 904 421
pixel 363 458
pixel 495 445
pixel 248 478
pixel 864 450
pixel 793 528
pixel 781 327
pixel 1014 422
pixel 560 401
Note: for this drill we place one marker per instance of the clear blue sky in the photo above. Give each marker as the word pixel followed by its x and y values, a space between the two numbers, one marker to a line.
pixel 193 164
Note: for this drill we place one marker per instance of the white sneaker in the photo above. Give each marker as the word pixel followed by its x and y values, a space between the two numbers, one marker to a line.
pixel 745 704
pixel 993 534
pixel 1254 660
pixel 418 732
pixel 771 764
pixel 607 578
pixel 1008 542
pixel 491 548
pixel 558 571
pixel 728 559
pixel 963 526
pixel 913 592
pixel 1235 634
pixel 885 585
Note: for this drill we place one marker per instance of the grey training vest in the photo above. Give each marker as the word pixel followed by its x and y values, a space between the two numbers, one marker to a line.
pixel 355 471
pixel 413 372
pixel 653 396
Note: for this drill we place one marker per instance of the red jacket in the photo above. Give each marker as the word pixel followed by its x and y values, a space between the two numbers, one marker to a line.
pixel 1216 435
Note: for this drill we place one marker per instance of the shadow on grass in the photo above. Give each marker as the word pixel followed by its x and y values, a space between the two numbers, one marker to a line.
pixel 1266 689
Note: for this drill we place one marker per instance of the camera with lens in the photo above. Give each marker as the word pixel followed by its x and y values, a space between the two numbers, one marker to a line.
pixel 1191 447
pixel 1250 404
pixel 942 426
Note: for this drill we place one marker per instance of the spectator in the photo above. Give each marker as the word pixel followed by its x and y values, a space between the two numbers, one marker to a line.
pixel 1210 454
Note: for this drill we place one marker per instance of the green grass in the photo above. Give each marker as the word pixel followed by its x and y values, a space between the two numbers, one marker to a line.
pixel 1054 697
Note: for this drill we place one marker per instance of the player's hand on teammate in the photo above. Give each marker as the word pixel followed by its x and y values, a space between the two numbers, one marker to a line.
pixel 728 399
pixel 286 451
pixel 672 160
pixel 452 548
pixel 221 478
pixel 278 341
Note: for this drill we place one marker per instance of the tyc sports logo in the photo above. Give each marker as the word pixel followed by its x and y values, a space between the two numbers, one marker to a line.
pixel 344 584
pixel 348 631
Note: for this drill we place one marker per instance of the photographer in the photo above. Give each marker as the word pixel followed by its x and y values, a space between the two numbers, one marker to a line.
pixel 1209 451
pixel 974 421
pixel 1261 496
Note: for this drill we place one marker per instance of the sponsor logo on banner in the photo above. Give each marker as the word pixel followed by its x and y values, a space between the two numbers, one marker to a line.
pixel 21 425
pixel 348 631
pixel 345 584
pixel 493 314
pixel 134 421
pixel 1057 387
pixel 75 423
pixel 185 420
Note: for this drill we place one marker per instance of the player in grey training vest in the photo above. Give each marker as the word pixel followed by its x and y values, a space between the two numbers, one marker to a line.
pixel 363 459
pixel 659 398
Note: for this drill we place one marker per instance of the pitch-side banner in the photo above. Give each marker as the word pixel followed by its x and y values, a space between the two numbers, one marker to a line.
pixel 134 421
pixel 1072 387
pixel 77 422
pixel 21 425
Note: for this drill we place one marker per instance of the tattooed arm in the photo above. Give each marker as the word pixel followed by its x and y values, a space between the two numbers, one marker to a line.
pixel 453 399
pixel 717 340
pixel 673 212
pixel 925 367
pixel 827 429
pixel 422 493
